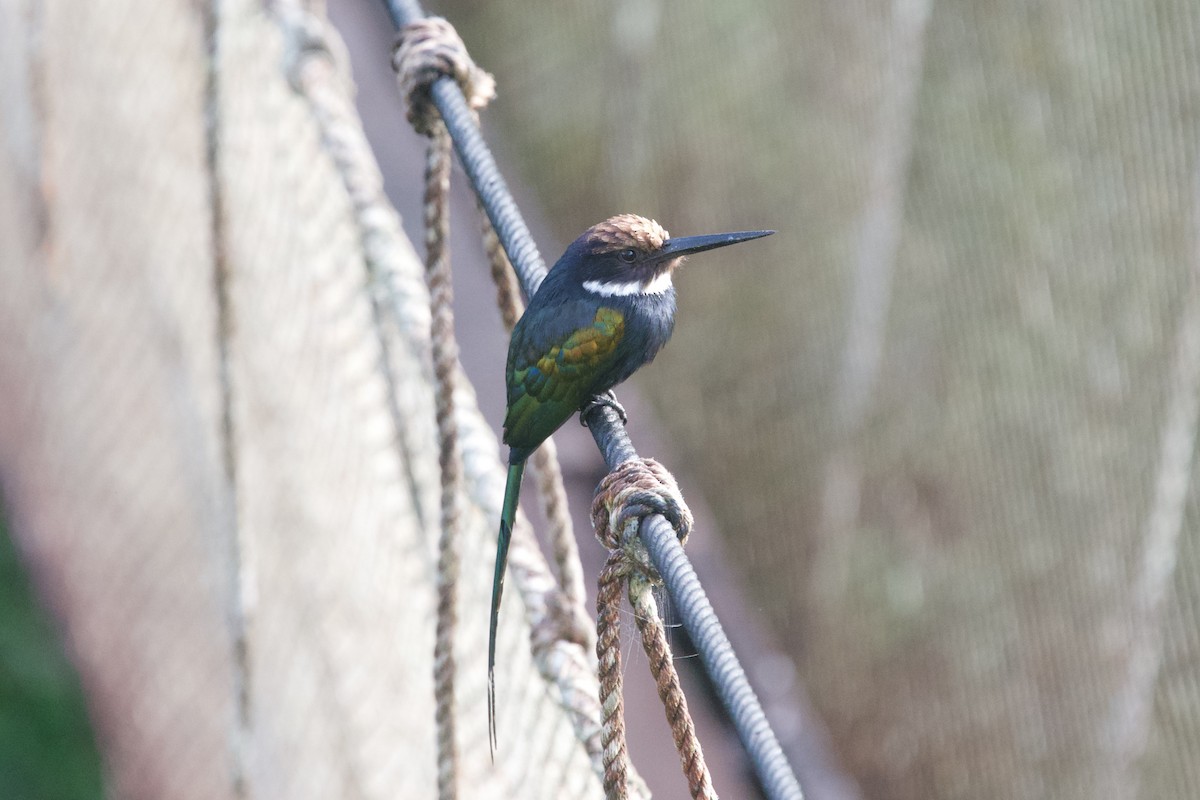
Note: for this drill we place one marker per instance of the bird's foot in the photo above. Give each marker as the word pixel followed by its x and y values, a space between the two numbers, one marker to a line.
pixel 608 399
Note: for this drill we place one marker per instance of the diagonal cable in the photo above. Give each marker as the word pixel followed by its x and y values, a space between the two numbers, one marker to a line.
pixel 682 583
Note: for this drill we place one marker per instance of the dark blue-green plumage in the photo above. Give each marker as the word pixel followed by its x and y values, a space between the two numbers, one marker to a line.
pixel 603 311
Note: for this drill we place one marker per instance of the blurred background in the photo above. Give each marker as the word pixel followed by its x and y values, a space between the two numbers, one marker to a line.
pixel 946 417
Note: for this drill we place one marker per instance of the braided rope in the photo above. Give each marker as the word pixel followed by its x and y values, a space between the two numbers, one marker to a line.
pixel 429 49
pixel 508 290
pixel 553 496
pixel 632 491
pixel 662 667
pixel 558 646
pixel 612 698
pixel 445 362
pixel 766 755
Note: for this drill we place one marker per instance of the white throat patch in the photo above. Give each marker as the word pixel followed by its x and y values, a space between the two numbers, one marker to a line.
pixel 657 285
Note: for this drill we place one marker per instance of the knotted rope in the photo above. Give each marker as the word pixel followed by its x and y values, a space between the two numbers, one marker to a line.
pixel 429 49
pixel 755 732
pixel 636 489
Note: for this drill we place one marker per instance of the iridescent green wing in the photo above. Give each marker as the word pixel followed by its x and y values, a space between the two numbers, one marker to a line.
pixel 550 379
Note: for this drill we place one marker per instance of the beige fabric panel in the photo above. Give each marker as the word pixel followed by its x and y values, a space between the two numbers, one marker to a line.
pixel 219 489
pixel 110 415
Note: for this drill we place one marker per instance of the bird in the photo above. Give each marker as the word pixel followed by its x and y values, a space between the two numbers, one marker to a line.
pixel 603 311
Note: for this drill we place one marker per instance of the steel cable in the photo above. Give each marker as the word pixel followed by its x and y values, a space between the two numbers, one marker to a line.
pixel 682 584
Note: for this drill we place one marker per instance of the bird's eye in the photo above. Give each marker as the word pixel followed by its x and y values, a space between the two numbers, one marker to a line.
pixel 628 255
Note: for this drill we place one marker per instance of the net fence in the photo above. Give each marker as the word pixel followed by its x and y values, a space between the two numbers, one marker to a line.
pixel 217 440
pixel 947 420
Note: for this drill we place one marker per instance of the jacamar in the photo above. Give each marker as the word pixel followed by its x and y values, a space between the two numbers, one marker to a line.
pixel 605 309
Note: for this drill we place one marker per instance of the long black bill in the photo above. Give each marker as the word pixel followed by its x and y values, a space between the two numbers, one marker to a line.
pixel 698 244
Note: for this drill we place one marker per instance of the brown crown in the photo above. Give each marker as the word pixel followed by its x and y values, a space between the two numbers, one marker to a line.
pixel 627 230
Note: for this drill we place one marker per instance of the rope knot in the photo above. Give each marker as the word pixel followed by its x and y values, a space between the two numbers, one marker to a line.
pixel 625 496
pixel 632 491
pixel 426 50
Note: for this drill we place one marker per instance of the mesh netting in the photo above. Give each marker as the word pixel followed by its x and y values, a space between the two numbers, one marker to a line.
pixel 947 415
pixel 217 429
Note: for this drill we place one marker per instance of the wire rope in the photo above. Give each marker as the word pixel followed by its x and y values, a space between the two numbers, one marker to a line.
pixel 682 584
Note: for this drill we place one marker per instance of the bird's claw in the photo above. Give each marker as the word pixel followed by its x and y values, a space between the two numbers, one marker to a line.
pixel 608 399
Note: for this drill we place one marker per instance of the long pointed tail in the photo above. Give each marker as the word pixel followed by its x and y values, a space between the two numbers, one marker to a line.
pixel 508 515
